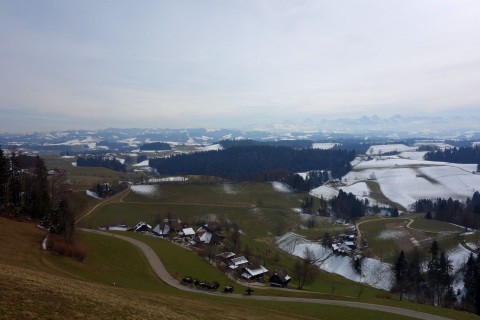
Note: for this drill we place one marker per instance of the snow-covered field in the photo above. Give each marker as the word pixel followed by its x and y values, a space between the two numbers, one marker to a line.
pixel 385 148
pixel 212 147
pixel 374 272
pixel 324 146
pixel 405 180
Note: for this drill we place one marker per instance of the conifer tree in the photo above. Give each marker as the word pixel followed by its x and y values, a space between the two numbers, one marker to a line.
pixel 401 275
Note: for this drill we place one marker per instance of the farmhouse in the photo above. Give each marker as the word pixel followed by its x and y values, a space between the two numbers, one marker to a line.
pixel 254 272
pixel 238 262
pixel 225 257
pixel 168 226
pixel 142 227
pixel 207 234
pixel 280 278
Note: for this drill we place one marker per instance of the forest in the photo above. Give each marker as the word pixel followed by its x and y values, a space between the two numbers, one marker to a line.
pixel 297 144
pixel 256 163
pixel 101 161
pixel 155 146
pixel 456 155
pixel 453 211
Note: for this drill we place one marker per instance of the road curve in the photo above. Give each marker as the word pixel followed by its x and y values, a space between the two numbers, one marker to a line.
pixel 166 277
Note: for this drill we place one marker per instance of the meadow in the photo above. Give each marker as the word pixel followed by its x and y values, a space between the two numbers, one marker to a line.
pixel 38 285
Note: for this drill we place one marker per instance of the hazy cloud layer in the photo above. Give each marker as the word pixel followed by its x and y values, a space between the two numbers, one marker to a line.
pixel 230 63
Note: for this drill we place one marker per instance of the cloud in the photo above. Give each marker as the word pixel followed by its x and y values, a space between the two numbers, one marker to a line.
pixel 179 63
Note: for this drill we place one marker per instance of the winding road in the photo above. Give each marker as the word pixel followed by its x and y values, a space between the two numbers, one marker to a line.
pixel 166 277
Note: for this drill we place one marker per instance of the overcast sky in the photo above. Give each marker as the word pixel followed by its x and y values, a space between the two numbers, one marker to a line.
pixel 96 64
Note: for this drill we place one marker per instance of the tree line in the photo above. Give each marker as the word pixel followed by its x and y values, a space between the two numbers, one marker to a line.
pixel 434 285
pixel 26 189
pixel 456 155
pixel 453 211
pixel 101 161
pixel 256 163
pixel 297 144
pixel 155 146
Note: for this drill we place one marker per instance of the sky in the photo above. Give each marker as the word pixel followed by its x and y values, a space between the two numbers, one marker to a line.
pixel 93 64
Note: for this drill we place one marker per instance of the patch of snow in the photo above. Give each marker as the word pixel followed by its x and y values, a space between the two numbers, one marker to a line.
pixel 213 147
pixel 459 256
pixel 92 194
pixel 145 189
pixel 303 174
pixel 117 228
pixel 324 146
pixel 324 191
pixel 413 155
pixel 281 187
pixel 168 179
pixel 74 164
pixel 229 189
pixel 122 161
pixel 391 234
pixel 44 242
pixel 67 157
pixel 144 163
pixel 472 246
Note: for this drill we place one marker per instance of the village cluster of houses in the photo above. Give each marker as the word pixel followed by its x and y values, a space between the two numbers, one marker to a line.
pixel 175 230
pixel 208 234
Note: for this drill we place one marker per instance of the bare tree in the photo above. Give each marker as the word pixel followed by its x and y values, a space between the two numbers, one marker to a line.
pixel 305 269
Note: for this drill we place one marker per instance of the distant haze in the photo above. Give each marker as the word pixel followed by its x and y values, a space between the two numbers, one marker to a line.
pixel 97 64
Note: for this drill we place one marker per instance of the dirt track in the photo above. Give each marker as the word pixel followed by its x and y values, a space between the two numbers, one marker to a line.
pixel 162 273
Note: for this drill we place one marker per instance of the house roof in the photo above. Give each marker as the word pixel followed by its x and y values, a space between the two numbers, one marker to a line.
pixel 141 225
pixel 162 229
pixel 205 237
pixel 188 232
pixel 239 260
pixel 283 275
pixel 226 255
pixel 255 271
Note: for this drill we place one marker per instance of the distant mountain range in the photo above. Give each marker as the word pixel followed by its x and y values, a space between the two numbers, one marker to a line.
pixel 374 127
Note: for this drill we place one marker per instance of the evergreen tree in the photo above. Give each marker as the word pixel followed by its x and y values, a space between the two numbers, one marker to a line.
pixel 415 275
pixel 401 275
pixel 472 284
pixel 41 198
pixel 4 176
pixel 439 273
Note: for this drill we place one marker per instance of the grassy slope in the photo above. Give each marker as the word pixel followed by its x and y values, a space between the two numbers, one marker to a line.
pixel 37 285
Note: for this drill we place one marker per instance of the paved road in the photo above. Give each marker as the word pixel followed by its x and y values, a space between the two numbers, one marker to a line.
pixel 162 273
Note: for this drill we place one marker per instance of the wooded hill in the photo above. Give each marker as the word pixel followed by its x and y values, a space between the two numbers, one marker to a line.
pixel 256 163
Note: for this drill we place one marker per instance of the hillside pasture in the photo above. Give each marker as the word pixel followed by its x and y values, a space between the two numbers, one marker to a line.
pixel 387 237
pixel 399 182
pixel 82 178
